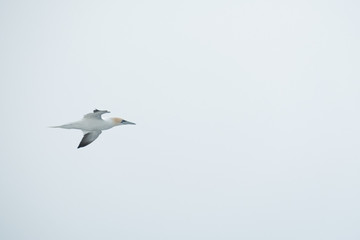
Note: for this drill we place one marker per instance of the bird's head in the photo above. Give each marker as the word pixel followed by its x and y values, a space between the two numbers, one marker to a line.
pixel 120 121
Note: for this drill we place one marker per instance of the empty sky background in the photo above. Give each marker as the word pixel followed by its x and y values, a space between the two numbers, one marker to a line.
pixel 247 119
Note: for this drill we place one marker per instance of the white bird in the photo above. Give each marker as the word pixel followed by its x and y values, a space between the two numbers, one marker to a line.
pixel 92 124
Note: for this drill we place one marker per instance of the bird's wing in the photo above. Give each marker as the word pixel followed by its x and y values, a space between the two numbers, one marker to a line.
pixel 96 114
pixel 88 138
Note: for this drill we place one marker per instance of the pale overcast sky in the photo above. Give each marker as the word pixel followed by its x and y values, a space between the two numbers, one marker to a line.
pixel 247 119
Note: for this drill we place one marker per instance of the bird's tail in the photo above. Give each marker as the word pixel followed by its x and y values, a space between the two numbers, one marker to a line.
pixel 66 126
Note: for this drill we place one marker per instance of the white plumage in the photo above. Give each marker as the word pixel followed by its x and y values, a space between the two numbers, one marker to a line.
pixel 92 125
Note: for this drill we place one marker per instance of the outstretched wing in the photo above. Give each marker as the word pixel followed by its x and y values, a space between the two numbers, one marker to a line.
pixel 96 114
pixel 89 138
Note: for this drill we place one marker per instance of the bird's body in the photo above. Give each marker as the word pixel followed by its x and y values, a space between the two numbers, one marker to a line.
pixel 92 125
pixel 88 124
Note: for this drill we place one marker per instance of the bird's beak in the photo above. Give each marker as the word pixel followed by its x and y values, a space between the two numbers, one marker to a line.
pixel 124 122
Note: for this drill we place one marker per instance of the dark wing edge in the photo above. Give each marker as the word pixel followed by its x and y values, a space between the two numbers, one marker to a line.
pixel 96 114
pixel 89 138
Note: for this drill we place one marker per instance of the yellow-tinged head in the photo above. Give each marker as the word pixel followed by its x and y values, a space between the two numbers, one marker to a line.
pixel 117 121
pixel 120 121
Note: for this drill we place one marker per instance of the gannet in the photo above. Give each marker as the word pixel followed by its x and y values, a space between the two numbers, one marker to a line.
pixel 92 124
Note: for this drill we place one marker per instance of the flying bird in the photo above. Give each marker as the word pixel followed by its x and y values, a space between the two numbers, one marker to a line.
pixel 92 125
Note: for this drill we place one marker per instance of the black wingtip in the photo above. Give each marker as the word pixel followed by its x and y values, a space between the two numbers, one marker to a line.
pixel 96 110
pixel 83 144
pixel 89 138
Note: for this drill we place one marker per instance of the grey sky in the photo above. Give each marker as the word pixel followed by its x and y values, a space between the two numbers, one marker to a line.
pixel 247 119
